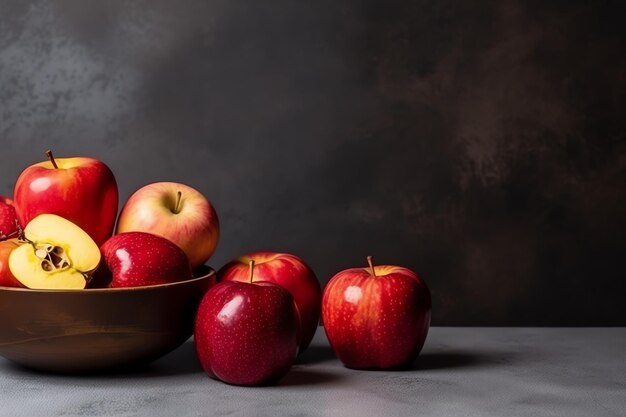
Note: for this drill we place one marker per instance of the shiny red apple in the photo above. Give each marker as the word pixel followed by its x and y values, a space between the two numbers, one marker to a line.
pixel 291 273
pixel 82 190
pixel 137 259
pixel 376 317
pixel 176 212
pixel 7 279
pixel 246 333
pixel 8 219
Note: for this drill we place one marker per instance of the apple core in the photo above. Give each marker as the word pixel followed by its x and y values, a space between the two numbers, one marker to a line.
pixel 53 258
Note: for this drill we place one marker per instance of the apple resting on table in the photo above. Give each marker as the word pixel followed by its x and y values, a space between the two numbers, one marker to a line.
pixel 81 190
pixel 246 333
pixel 138 259
pixel 291 273
pixel 376 317
pixel 57 255
pixel 176 212
pixel 7 279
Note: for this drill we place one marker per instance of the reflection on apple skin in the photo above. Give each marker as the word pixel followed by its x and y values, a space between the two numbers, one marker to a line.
pixel 353 294
pixel 229 312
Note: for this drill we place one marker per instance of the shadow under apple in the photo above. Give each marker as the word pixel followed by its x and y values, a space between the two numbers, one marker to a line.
pixel 181 361
pixel 316 354
pixel 448 360
pixel 302 376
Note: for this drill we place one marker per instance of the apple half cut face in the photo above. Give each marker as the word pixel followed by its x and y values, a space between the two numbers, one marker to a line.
pixel 57 255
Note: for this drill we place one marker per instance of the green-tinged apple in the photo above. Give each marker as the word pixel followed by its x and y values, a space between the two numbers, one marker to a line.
pixel 176 212
pixel 81 190
pixel 291 273
pixel 376 317
pixel 246 333
pixel 6 277
pixel 8 219
pixel 137 259
pixel 57 255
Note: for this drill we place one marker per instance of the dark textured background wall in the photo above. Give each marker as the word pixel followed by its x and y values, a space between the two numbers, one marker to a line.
pixel 480 143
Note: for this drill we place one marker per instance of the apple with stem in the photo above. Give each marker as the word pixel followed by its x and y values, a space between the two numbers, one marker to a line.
pixel 176 212
pixel 57 255
pixel 246 333
pixel 81 190
pixel 291 273
pixel 376 317
pixel 9 224
pixel 137 259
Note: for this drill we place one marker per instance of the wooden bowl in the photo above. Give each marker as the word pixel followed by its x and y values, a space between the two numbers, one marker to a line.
pixel 92 330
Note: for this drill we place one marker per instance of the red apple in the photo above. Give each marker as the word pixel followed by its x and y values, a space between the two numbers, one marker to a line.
pixel 137 259
pixel 7 279
pixel 291 273
pixel 82 190
pixel 177 212
pixel 8 219
pixel 376 317
pixel 246 333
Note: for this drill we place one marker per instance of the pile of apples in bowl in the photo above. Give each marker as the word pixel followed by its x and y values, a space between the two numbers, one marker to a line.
pixel 83 289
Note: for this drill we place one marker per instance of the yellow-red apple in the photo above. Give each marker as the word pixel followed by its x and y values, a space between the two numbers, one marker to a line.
pixel 176 212
pixel 6 277
pixel 291 273
pixel 81 190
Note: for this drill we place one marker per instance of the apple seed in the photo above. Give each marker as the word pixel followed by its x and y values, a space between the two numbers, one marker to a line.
pixel 52 258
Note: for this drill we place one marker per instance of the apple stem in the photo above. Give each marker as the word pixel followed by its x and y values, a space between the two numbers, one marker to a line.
pixel 251 263
pixel 87 277
pixel 369 261
pixel 179 196
pixel 51 158
pixel 20 232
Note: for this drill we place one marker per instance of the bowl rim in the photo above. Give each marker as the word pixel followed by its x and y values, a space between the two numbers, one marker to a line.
pixel 211 272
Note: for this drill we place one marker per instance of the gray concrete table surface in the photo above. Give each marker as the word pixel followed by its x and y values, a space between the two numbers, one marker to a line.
pixel 461 372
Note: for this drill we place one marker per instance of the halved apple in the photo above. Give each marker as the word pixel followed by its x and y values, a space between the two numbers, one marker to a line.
pixel 58 255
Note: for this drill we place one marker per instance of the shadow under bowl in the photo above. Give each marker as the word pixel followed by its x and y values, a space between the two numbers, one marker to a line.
pixel 95 330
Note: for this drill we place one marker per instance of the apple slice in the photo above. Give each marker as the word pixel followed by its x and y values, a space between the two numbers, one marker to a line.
pixel 58 255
